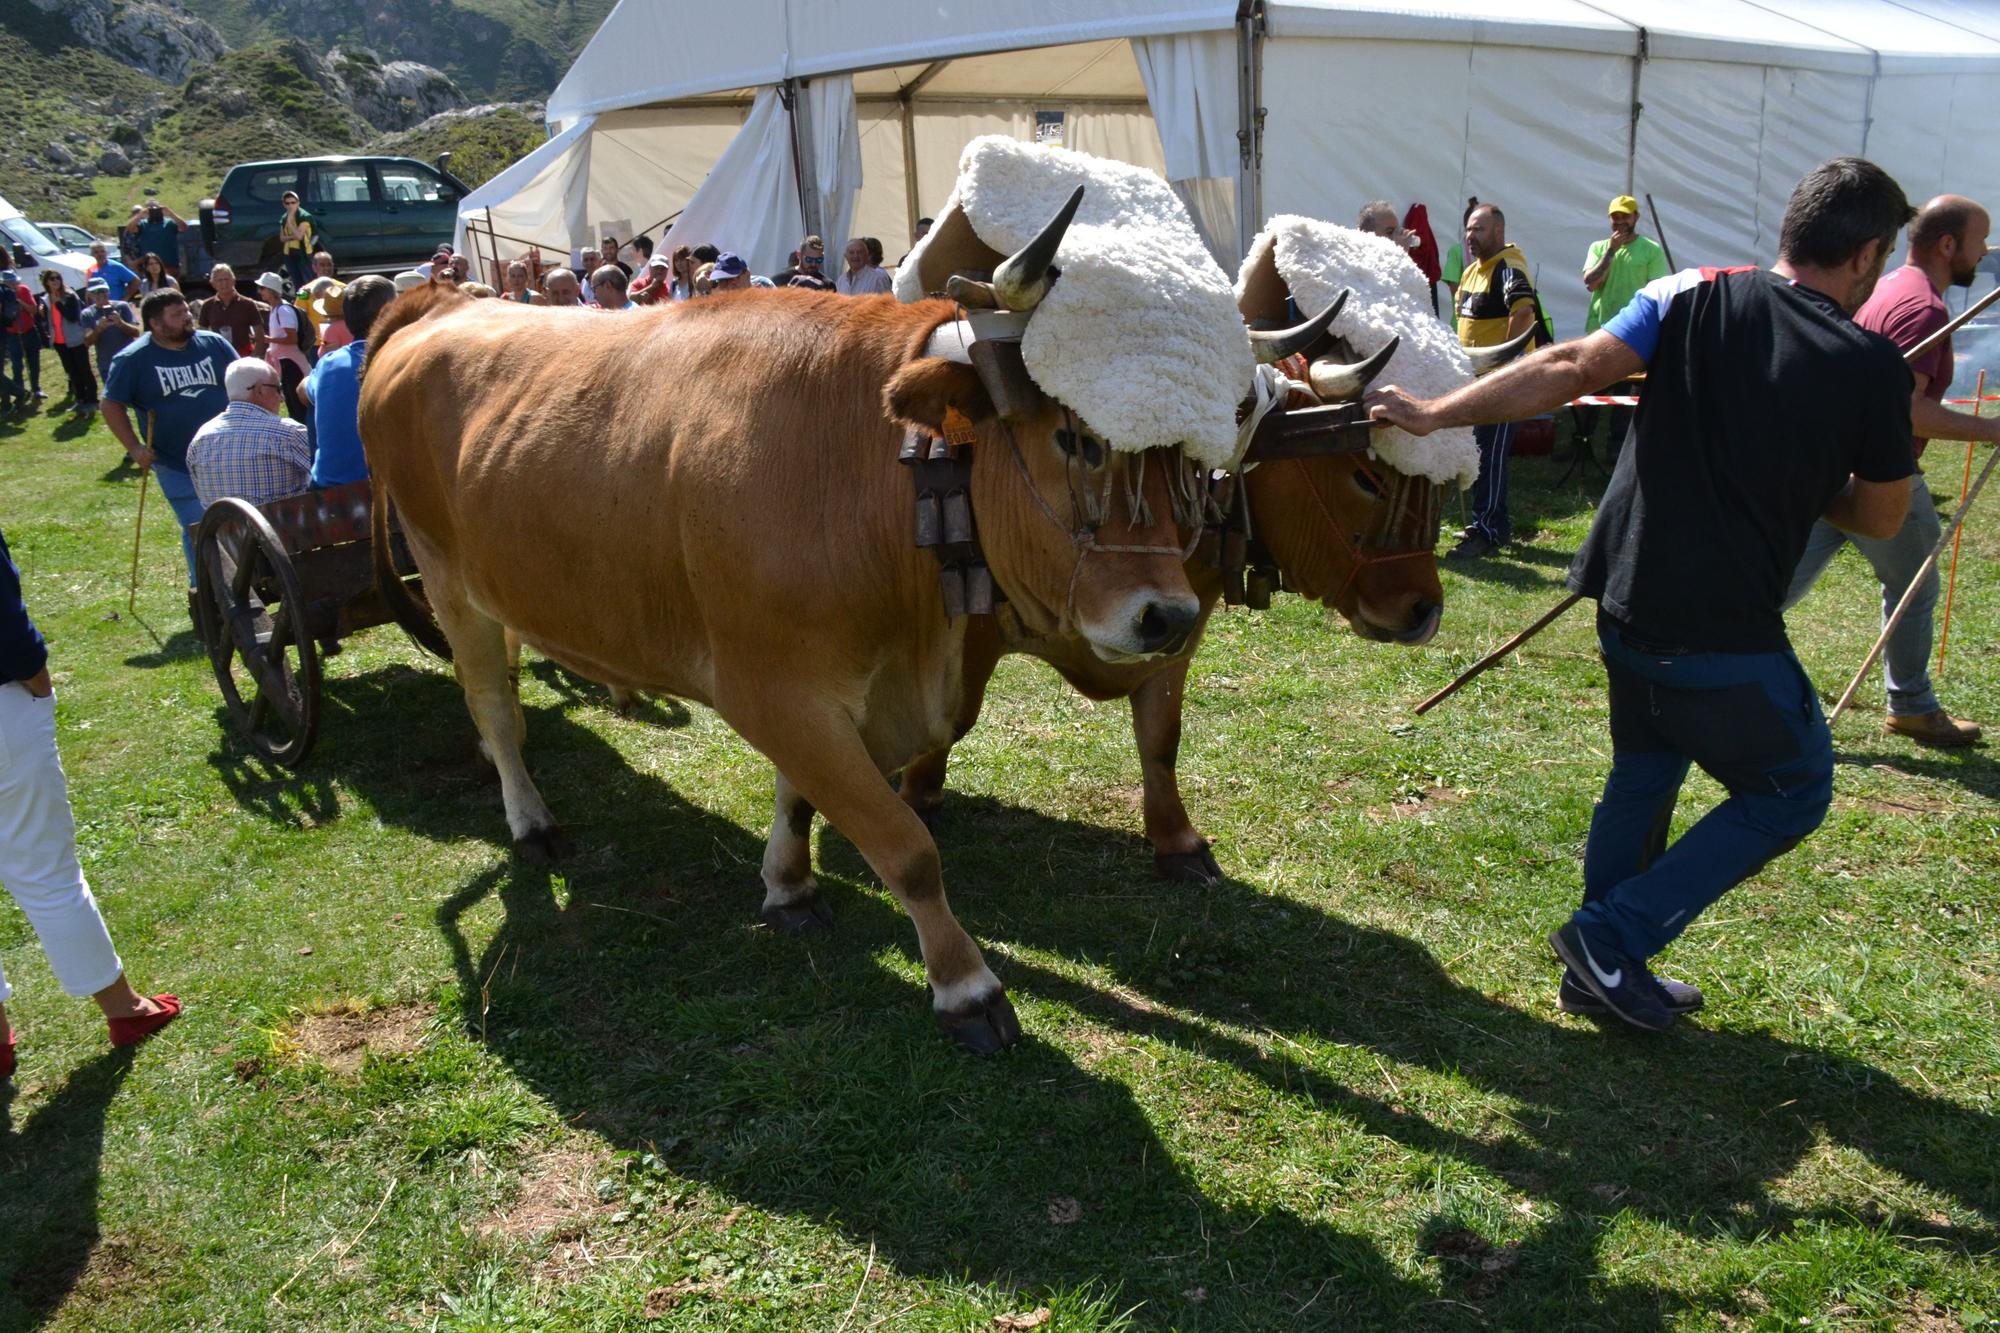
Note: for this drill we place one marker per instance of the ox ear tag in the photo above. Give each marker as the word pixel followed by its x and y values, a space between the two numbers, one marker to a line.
pixel 958 428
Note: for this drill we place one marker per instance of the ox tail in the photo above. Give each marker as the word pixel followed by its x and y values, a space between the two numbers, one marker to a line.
pixel 412 615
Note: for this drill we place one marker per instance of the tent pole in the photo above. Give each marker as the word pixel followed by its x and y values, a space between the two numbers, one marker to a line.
pixel 910 190
pixel 805 170
pixel 1632 117
pixel 1249 121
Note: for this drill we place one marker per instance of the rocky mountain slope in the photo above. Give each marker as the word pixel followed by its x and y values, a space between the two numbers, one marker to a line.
pixel 167 94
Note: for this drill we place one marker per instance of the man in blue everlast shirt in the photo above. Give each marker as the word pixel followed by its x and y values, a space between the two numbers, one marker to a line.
pixel 1766 409
pixel 173 378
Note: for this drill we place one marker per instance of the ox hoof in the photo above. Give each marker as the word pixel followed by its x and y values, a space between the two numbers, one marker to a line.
pixel 987 1027
pixel 623 700
pixel 1196 867
pixel 801 915
pixel 541 846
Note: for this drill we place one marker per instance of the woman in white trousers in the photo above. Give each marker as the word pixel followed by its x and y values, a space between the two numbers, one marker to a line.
pixel 38 862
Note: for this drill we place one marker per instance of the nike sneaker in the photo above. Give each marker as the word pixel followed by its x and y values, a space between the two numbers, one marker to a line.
pixel 1622 984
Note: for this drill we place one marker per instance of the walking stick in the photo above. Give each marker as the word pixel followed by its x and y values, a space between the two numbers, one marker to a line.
pixel 1951 584
pixel 1548 618
pixel 1910 593
pixel 138 524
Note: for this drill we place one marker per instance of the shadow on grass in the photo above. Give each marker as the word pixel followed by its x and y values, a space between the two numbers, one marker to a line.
pixel 49 1172
pixel 636 993
pixel 1972 768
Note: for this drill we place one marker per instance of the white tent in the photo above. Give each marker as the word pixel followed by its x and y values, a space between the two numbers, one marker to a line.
pixel 764 119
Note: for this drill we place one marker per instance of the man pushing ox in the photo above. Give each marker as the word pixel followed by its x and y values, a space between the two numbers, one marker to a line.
pixel 1767 410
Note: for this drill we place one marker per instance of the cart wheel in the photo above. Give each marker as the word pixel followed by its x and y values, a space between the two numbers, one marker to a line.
pixel 246 589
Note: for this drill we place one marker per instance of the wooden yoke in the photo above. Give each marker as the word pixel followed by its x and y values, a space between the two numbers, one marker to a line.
pixel 941 469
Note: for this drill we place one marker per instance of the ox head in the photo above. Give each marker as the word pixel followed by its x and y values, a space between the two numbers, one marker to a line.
pixel 1345 528
pixel 1082 537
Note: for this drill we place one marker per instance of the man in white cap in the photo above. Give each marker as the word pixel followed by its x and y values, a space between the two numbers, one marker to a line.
pixel 107 324
pixel 286 349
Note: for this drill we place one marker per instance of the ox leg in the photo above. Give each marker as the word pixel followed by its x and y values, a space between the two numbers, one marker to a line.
pixel 484 654
pixel 827 763
pixel 1179 852
pixel 792 898
pixel 922 786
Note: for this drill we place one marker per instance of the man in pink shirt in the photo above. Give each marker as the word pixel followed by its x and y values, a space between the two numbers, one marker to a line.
pixel 1947 240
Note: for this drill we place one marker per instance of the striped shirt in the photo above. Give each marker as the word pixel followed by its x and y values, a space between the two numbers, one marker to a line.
pixel 249 452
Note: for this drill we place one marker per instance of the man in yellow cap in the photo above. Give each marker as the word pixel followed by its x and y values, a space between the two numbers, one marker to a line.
pixel 1613 272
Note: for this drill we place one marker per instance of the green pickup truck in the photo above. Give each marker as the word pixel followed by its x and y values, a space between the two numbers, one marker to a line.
pixel 375 214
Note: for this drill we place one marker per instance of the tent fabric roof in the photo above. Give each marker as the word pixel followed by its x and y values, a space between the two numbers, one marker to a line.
pixel 641 55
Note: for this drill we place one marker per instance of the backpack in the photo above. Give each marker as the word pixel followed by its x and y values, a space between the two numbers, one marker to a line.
pixel 308 334
pixel 10 305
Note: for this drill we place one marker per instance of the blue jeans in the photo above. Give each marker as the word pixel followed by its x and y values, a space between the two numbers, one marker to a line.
pixel 1489 492
pixel 178 487
pixel 1907 656
pixel 1752 721
pixel 298 267
pixel 25 360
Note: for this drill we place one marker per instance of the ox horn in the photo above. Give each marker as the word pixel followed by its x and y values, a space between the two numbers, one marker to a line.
pixel 1274 345
pixel 1024 277
pixel 1333 382
pixel 1485 359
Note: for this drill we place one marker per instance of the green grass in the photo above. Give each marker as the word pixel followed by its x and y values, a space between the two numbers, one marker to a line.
pixel 1331 1092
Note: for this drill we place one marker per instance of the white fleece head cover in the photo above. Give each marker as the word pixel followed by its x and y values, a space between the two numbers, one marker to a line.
pixel 1141 336
pixel 1317 260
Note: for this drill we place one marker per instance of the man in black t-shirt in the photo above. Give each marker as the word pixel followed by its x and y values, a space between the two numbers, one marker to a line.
pixel 1766 408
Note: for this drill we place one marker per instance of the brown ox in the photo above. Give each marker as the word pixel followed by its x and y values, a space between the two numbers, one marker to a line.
pixel 1311 514
pixel 740 534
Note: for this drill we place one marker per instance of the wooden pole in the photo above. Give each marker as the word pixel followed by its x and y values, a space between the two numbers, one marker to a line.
pixel 1910 593
pixel 139 523
pixel 1951 584
pixel 1548 618
pixel 1961 318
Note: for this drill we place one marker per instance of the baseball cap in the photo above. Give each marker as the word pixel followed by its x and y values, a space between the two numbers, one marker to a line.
pixel 728 265
pixel 97 285
pixel 660 261
pixel 1624 203
pixel 409 281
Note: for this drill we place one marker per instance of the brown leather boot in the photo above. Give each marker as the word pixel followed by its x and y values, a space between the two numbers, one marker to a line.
pixel 1937 728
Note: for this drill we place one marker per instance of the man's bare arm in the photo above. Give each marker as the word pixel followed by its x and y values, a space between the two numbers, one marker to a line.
pixel 1870 508
pixel 121 430
pixel 1527 388
pixel 1932 420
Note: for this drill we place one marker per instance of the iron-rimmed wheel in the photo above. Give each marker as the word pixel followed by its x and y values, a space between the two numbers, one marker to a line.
pixel 248 598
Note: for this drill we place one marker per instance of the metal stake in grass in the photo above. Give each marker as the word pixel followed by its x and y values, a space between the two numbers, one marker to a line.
pixel 1951 584
pixel 1910 593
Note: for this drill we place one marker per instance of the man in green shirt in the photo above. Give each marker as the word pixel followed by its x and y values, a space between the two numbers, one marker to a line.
pixel 1613 272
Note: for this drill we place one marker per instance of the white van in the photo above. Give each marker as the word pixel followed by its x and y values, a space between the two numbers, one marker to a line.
pixel 30 251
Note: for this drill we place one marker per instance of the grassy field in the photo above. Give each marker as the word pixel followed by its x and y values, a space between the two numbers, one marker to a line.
pixel 420 1086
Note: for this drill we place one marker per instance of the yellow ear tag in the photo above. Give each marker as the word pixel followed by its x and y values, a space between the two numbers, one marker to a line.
pixel 958 427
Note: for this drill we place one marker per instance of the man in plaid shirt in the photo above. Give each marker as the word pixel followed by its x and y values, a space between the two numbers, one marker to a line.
pixel 250 451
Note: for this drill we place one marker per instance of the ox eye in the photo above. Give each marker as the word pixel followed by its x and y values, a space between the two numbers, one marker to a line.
pixel 1078 445
pixel 1367 484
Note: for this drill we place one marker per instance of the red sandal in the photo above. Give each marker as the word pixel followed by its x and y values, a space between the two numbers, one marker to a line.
pixel 7 1058
pixel 131 1031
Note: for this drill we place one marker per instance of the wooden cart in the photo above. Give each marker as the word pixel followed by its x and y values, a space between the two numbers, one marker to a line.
pixel 276 585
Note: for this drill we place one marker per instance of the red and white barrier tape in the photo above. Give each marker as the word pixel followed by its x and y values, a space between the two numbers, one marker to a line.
pixel 1967 402
pixel 1605 400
